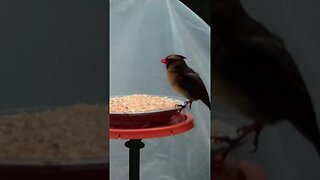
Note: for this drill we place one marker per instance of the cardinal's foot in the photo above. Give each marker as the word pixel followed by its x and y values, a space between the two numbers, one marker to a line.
pixel 246 130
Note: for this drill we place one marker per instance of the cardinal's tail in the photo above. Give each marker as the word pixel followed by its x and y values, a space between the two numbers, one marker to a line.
pixel 207 102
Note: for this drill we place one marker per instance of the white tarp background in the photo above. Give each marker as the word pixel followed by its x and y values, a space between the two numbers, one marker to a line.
pixel 141 33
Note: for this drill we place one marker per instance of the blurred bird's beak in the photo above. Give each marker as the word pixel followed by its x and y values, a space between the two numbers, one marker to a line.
pixel 164 61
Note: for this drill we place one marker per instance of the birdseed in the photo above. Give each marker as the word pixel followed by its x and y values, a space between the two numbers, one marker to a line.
pixel 61 134
pixel 141 103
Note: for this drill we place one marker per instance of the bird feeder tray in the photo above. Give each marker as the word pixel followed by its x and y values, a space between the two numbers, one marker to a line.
pixel 142 125
pixel 148 118
pixel 172 123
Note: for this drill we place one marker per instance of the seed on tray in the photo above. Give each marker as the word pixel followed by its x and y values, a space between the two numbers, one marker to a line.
pixel 141 103
pixel 63 134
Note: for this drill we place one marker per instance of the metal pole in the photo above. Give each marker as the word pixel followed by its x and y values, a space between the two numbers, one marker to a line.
pixel 134 146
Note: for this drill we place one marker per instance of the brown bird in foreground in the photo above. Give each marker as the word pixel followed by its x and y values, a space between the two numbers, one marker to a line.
pixel 254 73
pixel 185 81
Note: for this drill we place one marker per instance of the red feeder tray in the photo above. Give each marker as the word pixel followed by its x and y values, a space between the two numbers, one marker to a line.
pixel 148 119
pixel 177 124
pixel 143 120
pixel 138 126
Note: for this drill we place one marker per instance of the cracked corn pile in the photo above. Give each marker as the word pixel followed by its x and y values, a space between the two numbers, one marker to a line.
pixel 65 133
pixel 141 103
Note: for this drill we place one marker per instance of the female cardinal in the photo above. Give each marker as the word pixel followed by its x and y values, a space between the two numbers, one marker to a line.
pixel 255 74
pixel 185 81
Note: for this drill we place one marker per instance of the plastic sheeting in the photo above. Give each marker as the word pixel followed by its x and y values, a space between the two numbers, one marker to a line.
pixel 141 33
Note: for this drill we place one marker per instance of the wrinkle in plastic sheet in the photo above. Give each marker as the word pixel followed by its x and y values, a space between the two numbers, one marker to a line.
pixel 141 33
